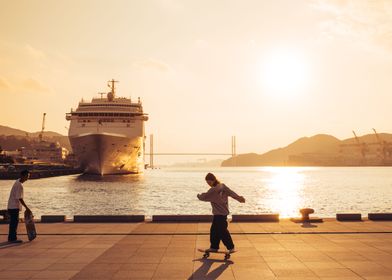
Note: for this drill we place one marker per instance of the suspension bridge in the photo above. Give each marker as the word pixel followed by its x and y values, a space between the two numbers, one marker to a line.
pixel 152 154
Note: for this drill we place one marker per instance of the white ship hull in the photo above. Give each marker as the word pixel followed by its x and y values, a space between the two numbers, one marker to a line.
pixel 106 153
pixel 107 134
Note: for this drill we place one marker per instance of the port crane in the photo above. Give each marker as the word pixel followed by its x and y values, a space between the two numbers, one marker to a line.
pixel 41 134
pixel 362 146
pixel 383 144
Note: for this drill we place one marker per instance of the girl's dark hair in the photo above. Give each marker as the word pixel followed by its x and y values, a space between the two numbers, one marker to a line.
pixel 211 177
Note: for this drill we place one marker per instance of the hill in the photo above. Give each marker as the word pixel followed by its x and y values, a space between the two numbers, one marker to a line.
pixel 7 131
pixel 323 148
pixel 12 138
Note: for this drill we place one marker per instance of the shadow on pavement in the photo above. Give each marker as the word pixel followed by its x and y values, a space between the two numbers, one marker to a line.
pixel 7 244
pixel 203 272
pixel 308 225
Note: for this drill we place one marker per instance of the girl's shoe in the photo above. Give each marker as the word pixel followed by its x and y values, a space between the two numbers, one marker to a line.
pixel 15 241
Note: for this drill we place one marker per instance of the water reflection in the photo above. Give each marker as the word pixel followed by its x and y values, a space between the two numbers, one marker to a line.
pixel 285 187
pixel 128 178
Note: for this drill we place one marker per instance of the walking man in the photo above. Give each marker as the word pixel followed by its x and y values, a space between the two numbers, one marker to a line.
pixel 15 203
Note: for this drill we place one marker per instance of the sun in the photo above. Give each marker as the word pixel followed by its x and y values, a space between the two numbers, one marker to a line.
pixel 284 72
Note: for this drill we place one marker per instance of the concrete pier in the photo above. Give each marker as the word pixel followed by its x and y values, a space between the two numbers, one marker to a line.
pixel 268 250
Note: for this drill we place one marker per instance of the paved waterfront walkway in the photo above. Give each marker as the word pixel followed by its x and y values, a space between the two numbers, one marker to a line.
pixel 284 250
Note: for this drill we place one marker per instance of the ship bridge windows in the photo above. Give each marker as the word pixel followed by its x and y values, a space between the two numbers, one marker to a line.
pixel 102 114
pixel 106 120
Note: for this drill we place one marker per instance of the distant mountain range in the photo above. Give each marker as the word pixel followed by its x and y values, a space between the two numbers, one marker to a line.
pixel 6 131
pixel 321 144
pixel 12 138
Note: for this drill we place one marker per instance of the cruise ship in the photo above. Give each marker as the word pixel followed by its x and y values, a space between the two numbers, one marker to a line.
pixel 107 134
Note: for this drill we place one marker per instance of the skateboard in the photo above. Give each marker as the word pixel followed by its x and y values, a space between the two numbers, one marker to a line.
pixel 207 253
pixel 30 226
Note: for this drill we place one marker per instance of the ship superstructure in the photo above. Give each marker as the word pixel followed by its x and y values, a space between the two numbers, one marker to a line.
pixel 107 134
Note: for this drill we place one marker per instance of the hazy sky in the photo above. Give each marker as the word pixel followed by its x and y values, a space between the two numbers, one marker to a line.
pixel 268 72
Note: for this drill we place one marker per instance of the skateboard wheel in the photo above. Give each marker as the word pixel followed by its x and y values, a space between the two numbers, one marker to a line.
pixel 206 255
pixel 227 256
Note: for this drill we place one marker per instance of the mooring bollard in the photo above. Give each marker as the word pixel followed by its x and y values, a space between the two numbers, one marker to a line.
pixel 305 212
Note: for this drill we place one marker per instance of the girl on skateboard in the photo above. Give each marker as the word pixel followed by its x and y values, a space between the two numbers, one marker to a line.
pixel 218 196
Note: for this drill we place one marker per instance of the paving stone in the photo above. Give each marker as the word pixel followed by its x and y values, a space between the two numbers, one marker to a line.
pixel 137 274
pixel 55 274
pixel 17 274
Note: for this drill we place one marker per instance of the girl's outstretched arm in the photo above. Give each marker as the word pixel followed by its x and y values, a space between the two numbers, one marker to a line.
pixel 233 194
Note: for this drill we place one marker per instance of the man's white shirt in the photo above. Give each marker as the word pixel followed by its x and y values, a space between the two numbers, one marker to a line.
pixel 16 194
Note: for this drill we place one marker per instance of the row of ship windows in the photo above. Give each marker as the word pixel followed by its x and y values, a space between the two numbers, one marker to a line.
pixel 105 114
pixel 108 105
pixel 107 120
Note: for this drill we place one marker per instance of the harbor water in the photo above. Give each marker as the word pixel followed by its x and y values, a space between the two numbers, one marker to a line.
pixel 283 190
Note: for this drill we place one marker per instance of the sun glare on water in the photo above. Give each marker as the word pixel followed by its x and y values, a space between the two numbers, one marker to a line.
pixel 285 185
pixel 284 72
